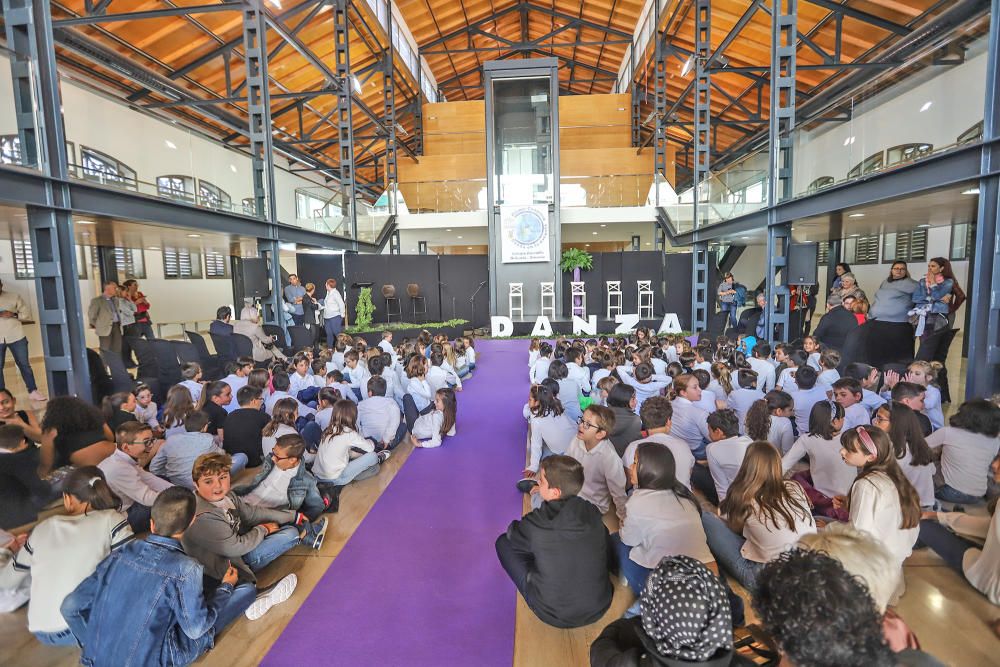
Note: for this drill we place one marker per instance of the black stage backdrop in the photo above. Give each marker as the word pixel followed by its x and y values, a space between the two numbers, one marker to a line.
pixel 461 275
pixel 317 269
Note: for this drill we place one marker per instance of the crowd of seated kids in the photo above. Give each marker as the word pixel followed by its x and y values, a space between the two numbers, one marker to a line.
pixel 725 464
pixel 306 428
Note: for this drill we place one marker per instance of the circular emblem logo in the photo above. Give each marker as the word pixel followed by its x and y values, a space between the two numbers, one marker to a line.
pixel 528 228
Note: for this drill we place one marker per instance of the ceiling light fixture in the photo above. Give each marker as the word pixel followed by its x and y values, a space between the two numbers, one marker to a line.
pixel 926 106
pixel 194 236
pixel 923 226
pixel 603 225
pixel 849 140
pixel 86 222
pixel 153 247
pixel 170 144
pixel 971 191
pixel 356 84
pixel 594 233
pixel 232 167
pixel 688 64
pixel 856 215
pixel 458 237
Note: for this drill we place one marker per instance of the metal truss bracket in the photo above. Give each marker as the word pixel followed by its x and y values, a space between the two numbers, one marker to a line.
pixel 345 123
pixel 702 100
pixel 699 287
pixel 778 239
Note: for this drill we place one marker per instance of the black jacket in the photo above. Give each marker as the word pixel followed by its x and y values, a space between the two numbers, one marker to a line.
pixel 625 643
pixel 568 583
pixel 220 328
pixel 628 429
pixel 833 327
pixel 22 493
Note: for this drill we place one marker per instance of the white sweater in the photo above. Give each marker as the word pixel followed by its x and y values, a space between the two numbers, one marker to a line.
pixel 335 453
pixel 61 552
pixel 875 508
pixel 554 432
pixel 658 524
pixel 683 458
pixel 765 540
pixel 427 429
pixel 965 459
pixel 830 475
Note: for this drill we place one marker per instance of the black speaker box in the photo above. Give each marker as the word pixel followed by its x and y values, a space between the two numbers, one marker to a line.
pixel 255 283
pixel 802 263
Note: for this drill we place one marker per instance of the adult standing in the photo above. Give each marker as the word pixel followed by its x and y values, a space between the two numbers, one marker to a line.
pixel 838 271
pixel 727 298
pixel 104 317
pixel 143 326
pixel 838 322
pixel 888 333
pixel 310 306
pixel 938 295
pixel 12 311
pixel 294 294
pixel 849 288
pixel 334 313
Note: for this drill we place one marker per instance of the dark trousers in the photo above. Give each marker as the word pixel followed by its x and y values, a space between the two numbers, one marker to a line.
pixel 138 330
pixel 411 413
pixel 701 480
pixel 516 565
pixel 19 350
pixel 113 341
pixel 945 543
pixel 333 327
pixel 400 434
pixel 312 434
pixel 298 319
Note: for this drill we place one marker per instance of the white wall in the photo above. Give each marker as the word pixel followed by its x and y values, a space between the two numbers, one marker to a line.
pixel 171 300
pixel 154 147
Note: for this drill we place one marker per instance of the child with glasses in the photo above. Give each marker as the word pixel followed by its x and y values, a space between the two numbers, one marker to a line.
pixel 604 476
pixel 126 474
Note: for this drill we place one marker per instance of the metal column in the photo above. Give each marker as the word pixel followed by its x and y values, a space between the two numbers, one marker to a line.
pixel 635 106
pixel 261 149
pixel 28 25
pixel 699 287
pixel 345 123
pixel 659 103
pixel 702 100
pixel 983 335
pixel 418 110
pixel 784 15
pixel 389 109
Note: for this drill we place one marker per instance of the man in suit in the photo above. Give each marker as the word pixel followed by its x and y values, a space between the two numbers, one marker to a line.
pixel 263 345
pixel 833 327
pixel 105 317
pixel 220 326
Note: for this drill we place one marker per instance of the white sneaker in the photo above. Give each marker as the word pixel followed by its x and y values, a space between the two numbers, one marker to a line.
pixel 277 594
pixel 37 396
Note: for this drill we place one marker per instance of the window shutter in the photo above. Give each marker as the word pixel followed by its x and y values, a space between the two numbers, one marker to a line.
pixel 216 265
pixel 24 263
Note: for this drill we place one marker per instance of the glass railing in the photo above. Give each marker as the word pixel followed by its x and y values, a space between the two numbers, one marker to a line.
pixel 885 127
pixel 679 210
pixel 457 196
pixel 327 215
pixel 604 191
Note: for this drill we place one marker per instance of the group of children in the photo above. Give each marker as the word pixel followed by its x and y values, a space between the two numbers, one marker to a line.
pixel 730 455
pixel 309 428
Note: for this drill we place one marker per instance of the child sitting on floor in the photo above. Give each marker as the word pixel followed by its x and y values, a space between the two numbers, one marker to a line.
pixel 227 530
pixel 558 555
pixel 65 549
pixel 284 483
pixel 191 372
pixel 605 477
pixel 378 415
pixel 174 623
pixel 428 430
pixel 145 408
pixel 22 492
pixel 345 455
pixel 136 487
pixel 286 412
pixel 177 455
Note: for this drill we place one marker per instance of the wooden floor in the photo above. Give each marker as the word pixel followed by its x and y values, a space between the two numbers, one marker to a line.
pixel 946 613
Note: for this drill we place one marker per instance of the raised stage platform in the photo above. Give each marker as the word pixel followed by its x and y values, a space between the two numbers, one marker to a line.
pixel 564 325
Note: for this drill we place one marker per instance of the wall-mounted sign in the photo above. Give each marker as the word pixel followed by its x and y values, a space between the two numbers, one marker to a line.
pixel 524 234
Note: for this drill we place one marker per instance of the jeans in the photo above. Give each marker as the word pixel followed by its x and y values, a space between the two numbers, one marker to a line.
pixel 952 495
pixel 362 467
pixel 634 573
pixel 242 597
pixel 725 546
pixel 19 350
pixel 273 546
pixel 516 565
pixel 730 308
pixel 701 479
pixel 400 434
pixel 240 462
pixel 333 327
pixel 411 413
pixel 946 544
pixel 61 638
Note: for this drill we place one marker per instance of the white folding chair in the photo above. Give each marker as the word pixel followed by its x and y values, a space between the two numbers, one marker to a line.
pixel 614 297
pixel 516 292
pixel 645 299
pixel 578 291
pixel 549 298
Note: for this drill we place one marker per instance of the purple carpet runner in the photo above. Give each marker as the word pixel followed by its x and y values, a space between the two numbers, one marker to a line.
pixel 419 583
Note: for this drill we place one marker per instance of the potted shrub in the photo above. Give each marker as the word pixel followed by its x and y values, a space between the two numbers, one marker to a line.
pixel 576 260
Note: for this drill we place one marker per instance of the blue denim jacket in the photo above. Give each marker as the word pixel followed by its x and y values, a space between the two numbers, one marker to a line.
pixel 144 605
pixel 923 296
pixel 303 494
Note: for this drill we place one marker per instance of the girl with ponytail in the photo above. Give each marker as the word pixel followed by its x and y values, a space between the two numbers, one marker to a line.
pixel 64 550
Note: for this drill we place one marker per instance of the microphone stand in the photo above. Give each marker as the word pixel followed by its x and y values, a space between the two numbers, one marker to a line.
pixel 440 285
pixel 472 300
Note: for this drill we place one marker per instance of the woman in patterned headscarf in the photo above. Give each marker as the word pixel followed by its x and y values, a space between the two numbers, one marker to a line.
pixel 685 621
